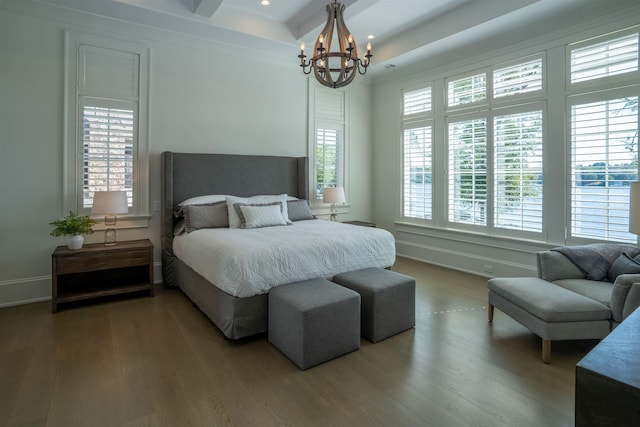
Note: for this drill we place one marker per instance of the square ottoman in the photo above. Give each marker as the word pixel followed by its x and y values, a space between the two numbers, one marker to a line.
pixel 388 301
pixel 314 321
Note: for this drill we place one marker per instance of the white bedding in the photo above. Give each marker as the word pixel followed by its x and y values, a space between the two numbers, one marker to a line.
pixel 247 262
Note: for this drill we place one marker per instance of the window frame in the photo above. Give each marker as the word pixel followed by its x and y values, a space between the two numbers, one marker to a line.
pixel 328 109
pixel 139 212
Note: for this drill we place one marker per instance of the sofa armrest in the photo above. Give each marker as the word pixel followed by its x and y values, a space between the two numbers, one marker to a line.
pixel 625 296
pixel 553 265
pixel 633 300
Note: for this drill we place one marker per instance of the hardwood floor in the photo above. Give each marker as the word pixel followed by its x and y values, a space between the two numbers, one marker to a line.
pixel 159 361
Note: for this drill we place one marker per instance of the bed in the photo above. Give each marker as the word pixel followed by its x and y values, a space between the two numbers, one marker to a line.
pixel 230 281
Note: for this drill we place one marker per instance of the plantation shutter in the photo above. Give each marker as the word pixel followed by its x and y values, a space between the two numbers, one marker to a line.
pixel 604 59
pixel 467 90
pixel 468 171
pixel 417 101
pixel 518 171
pixel 417 173
pixel 326 159
pixel 108 141
pixel 603 163
pixel 518 79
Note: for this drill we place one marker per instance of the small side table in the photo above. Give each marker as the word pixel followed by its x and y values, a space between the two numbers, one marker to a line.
pixel 361 223
pixel 97 270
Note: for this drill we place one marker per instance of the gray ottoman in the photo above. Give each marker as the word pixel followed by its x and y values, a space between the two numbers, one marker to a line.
pixel 549 311
pixel 314 321
pixel 388 301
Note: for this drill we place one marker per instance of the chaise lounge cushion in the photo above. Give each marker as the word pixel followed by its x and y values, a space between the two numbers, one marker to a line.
pixel 593 289
pixel 547 301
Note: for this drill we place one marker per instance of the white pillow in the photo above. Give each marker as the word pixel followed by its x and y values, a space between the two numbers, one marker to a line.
pixel 257 216
pixel 203 200
pixel 234 218
pixel 198 200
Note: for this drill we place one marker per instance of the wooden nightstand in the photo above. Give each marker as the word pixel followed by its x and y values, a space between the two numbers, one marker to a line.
pixel 361 223
pixel 97 270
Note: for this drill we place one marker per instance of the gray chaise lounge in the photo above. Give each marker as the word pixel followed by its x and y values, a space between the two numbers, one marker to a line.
pixel 581 299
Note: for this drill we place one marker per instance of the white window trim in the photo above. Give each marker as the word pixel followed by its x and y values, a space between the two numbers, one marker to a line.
pixel 315 120
pixel 73 153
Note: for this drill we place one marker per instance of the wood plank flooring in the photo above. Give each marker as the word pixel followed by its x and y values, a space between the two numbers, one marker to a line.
pixel 160 362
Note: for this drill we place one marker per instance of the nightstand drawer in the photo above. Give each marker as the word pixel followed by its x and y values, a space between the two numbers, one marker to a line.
pixel 100 261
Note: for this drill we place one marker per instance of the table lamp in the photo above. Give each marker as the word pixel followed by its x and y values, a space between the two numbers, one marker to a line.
pixel 110 203
pixel 333 195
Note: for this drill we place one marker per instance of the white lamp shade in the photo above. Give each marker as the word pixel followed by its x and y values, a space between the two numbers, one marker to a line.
pixel 634 208
pixel 333 195
pixel 110 202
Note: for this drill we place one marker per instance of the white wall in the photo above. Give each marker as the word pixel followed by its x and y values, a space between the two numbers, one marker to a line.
pixel 204 97
pixel 481 254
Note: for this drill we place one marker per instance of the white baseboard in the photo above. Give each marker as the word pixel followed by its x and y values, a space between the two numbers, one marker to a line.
pixel 25 291
pixel 36 289
pixel 482 263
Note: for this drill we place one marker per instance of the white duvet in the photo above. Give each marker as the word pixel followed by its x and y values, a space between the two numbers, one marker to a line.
pixel 247 262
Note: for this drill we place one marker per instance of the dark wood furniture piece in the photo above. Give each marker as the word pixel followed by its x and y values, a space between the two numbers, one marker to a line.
pixel 608 379
pixel 97 270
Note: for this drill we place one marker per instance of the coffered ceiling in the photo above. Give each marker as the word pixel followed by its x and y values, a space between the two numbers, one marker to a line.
pixel 404 31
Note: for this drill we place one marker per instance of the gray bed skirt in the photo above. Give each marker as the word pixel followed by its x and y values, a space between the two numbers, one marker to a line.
pixel 235 317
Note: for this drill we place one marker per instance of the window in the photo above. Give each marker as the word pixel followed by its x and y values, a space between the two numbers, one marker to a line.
pixel 604 59
pixel 107 147
pixel 604 161
pixel 603 135
pixel 518 171
pixel 328 151
pixel 518 79
pixel 327 142
pixel 417 142
pixel 416 101
pixel 467 90
pixel 495 157
pixel 417 182
pixel 493 124
pixel 468 172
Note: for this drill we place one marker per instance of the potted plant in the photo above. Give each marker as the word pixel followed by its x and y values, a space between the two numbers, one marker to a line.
pixel 73 226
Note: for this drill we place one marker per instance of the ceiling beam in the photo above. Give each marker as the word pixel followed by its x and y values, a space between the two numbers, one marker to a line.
pixel 314 16
pixel 206 7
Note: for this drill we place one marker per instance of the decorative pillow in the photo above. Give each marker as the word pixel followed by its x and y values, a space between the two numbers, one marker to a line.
pixel 234 218
pixel 198 200
pixel 212 215
pixel 623 265
pixel 260 215
pixel 299 210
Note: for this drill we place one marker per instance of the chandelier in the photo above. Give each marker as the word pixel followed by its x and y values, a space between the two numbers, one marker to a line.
pixel 335 69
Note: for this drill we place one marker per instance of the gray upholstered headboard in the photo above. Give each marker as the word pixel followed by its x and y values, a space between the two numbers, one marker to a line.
pixel 186 175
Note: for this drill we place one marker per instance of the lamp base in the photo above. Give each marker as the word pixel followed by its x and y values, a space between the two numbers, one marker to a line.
pixel 110 237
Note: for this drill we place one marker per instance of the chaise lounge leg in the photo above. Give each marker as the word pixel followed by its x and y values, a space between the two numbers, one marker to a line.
pixel 490 312
pixel 546 351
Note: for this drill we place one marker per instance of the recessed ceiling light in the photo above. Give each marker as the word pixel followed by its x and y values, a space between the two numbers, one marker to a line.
pixel 371 36
pixel 265 2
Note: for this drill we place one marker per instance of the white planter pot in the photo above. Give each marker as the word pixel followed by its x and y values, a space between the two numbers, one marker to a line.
pixel 75 242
